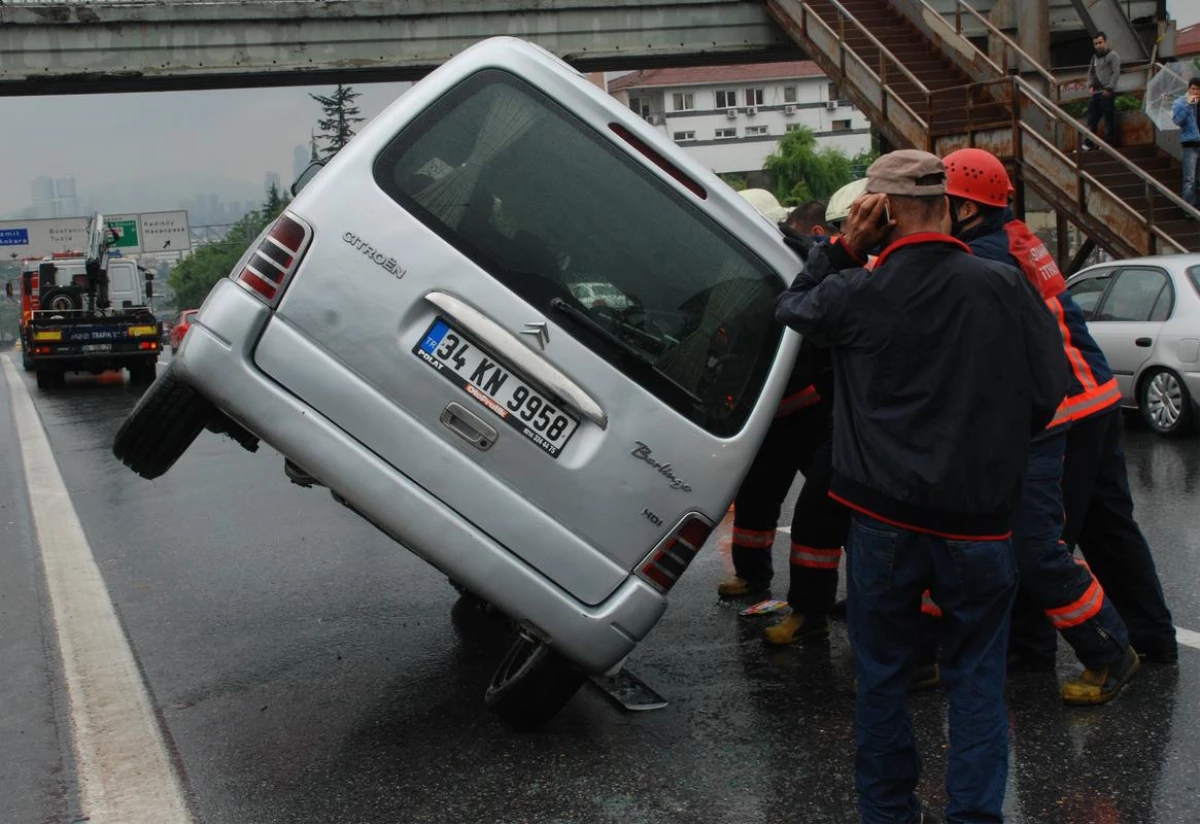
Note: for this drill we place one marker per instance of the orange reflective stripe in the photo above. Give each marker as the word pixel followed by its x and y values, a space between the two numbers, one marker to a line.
pixel 1076 407
pixel 928 606
pixel 1079 363
pixel 755 538
pixel 815 558
pixel 803 399
pixel 1080 610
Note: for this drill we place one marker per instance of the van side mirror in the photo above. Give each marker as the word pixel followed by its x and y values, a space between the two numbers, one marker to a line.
pixel 308 174
pixel 149 288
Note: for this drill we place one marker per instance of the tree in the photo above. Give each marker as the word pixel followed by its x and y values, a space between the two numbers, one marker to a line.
pixel 802 172
pixel 336 127
pixel 275 201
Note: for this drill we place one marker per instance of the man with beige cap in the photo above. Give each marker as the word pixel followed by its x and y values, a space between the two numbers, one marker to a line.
pixel 944 365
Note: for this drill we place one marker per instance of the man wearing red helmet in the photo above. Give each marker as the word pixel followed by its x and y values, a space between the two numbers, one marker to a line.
pixel 1086 433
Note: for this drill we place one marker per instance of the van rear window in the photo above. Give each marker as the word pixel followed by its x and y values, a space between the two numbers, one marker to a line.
pixel 576 226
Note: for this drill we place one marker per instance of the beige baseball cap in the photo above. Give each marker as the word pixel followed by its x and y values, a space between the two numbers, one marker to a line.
pixel 908 172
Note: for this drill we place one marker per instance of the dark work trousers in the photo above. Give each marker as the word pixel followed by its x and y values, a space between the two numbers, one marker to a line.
pixel 1104 106
pixel 1099 520
pixel 1064 590
pixel 802 442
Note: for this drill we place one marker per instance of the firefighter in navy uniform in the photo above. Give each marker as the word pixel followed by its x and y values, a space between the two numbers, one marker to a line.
pixel 1063 590
pixel 799 440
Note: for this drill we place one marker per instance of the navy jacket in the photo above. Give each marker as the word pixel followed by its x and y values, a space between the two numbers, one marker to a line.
pixel 1092 388
pixel 944 366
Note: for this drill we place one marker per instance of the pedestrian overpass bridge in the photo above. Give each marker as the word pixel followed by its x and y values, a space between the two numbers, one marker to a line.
pixel 77 46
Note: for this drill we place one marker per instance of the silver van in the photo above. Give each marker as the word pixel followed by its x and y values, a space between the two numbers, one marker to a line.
pixel 406 335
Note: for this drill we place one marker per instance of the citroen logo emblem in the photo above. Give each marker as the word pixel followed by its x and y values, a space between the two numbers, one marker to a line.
pixel 539 331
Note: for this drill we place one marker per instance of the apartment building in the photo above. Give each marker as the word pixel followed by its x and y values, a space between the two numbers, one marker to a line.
pixel 731 118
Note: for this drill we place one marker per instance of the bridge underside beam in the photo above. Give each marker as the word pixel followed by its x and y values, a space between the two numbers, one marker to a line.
pixel 75 48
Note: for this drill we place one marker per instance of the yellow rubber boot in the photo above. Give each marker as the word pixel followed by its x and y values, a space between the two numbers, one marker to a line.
pixel 796 627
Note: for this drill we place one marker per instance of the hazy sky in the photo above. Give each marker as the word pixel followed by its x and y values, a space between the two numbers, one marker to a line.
pixel 162 147
pixel 144 152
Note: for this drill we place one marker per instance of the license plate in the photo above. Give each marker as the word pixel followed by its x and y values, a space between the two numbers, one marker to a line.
pixel 497 387
pixel 96 347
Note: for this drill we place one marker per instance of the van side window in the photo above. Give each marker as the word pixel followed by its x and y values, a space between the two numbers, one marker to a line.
pixel 579 228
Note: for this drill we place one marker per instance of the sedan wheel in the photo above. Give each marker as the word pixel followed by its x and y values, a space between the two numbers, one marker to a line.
pixel 1165 403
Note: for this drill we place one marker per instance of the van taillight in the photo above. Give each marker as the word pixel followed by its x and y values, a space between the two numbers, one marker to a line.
pixel 276 258
pixel 668 562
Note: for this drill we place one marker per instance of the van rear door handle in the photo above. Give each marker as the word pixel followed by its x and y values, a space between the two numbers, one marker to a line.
pixel 469 426
pixel 1145 343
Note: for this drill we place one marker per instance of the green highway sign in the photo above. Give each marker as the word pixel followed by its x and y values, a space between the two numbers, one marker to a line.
pixel 127 233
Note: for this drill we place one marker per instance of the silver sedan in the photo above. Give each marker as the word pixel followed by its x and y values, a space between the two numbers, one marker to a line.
pixel 1145 314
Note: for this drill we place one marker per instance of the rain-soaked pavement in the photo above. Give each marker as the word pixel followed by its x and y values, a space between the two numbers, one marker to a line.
pixel 306 669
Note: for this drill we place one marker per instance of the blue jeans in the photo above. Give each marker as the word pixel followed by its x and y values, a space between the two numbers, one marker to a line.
pixel 974 583
pixel 1191 170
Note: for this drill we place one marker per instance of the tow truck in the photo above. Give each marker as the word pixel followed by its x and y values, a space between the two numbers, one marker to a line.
pixel 88 312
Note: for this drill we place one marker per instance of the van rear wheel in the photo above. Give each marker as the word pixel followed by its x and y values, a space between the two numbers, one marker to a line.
pixel 532 684
pixel 167 418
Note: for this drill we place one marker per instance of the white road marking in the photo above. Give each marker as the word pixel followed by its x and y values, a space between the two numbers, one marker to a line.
pixel 125 774
pixel 1187 637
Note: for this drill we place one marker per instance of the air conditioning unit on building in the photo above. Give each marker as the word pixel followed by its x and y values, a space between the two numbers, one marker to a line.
pixel 831 105
pixel 789 109
pixel 731 113
pixel 655 119
pixel 751 110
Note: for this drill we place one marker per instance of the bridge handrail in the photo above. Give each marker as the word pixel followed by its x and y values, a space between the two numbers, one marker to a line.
pixel 844 14
pixel 993 31
pixel 1022 87
pixel 809 13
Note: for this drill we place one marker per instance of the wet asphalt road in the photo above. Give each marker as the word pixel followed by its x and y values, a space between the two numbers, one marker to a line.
pixel 307 669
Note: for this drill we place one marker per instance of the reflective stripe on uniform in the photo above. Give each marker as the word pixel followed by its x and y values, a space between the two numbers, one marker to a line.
pixel 1077 407
pixel 928 607
pixel 1080 610
pixel 754 538
pixel 803 399
pixel 815 558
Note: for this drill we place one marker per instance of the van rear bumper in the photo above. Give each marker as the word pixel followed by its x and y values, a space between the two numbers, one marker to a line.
pixel 217 359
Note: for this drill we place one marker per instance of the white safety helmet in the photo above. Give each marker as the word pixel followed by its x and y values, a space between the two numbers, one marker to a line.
pixel 839 205
pixel 766 204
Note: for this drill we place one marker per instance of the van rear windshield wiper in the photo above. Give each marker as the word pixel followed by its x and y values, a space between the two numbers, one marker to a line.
pixel 583 319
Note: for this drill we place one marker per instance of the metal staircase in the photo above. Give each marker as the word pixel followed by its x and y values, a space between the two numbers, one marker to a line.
pixel 925 85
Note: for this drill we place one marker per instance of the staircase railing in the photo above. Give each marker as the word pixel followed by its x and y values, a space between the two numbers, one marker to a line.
pixel 879 93
pixel 1060 160
pixel 1056 87
pixel 1063 164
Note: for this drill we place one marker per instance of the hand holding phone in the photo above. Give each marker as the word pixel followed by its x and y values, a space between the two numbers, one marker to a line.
pixel 870 221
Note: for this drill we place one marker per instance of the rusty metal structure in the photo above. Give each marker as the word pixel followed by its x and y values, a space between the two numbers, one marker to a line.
pixel 926 85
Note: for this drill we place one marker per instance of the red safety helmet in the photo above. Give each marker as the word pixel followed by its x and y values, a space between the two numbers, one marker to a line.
pixel 974 174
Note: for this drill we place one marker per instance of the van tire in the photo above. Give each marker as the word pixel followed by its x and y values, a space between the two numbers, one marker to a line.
pixel 532 684
pixel 165 422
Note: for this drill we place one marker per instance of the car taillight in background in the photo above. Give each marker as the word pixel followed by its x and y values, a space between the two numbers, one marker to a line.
pixel 276 258
pixel 668 562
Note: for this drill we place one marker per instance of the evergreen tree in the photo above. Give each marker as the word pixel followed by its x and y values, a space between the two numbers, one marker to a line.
pixel 336 127
pixel 275 202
